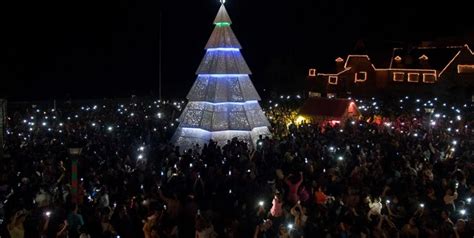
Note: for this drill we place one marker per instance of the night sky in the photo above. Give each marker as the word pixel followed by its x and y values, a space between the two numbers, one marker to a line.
pixel 84 49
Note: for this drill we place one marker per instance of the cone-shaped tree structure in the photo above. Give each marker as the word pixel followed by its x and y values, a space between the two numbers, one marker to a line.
pixel 223 102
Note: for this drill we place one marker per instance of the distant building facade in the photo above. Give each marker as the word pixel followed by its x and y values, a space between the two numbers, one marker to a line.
pixel 443 71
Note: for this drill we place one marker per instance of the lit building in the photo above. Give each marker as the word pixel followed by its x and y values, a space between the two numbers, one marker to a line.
pixel 328 111
pixel 419 70
pixel 223 103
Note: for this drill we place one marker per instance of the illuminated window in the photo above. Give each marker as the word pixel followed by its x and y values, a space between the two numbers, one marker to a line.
pixel 312 72
pixel 429 78
pixel 398 76
pixel 361 76
pixel 413 77
pixel 423 57
pixel 314 95
pixel 332 79
pixel 465 68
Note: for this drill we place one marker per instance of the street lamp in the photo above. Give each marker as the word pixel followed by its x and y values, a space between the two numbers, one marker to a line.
pixel 75 153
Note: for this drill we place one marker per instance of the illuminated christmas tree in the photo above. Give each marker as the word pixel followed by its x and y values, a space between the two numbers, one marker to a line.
pixel 223 102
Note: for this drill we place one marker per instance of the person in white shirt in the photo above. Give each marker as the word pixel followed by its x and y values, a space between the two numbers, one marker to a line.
pixel 375 207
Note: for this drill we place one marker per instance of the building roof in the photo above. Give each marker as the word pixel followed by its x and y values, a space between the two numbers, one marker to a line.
pixel 423 57
pixel 464 51
pixel 350 58
pixel 326 107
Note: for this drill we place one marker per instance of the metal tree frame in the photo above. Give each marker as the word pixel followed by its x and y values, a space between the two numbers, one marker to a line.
pixel 223 103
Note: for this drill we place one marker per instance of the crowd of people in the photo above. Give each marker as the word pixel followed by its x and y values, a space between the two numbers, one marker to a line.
pixel 403 170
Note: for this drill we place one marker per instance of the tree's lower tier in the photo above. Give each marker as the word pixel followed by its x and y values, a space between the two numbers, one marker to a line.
pixel 223 116
pixel 187 138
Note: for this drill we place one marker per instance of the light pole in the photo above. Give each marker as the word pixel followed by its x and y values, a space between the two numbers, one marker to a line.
pixel 75 153
pixel 3 121
pixel 160 58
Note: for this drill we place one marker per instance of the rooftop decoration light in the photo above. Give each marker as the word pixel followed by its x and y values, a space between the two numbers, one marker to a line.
pixel 423 57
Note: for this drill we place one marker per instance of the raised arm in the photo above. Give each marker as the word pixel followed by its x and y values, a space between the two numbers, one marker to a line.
pixel 12 223
pixel 63 230
pixel 293 210
pixel 301 179
pixel 45 226
pixel 257 231
pixel 391 214
pixel 198 182
pixel 379 225
pixel 389 222
pixel 287 180
pixel 163 197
